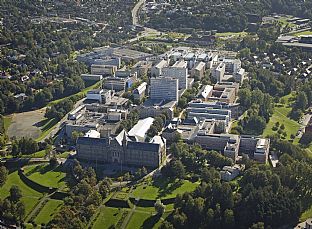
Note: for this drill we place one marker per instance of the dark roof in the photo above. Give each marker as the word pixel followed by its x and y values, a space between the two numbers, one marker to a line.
pixel 145 146
pixel 92 141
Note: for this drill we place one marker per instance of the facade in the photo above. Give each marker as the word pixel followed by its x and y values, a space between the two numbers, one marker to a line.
pixel 90 77
pixel 98 69
pixel 139 92
pixel 199 70
pixel 229 173
pixel 218 72
pixel 177 71
pixel 117 84
pixel 99 95
pixel 164 88
pixel 153 108
pixel 122 150
pixel 157 68
pixel 141 68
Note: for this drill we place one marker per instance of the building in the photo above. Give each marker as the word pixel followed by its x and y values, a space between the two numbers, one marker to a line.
pixel 218 72
pixel 117 83
pixel 178 71
pixel 122 149
pixel 139 92
pixel 107 55
pixel 233 146
pixel 141 68
pixel 99 95
pixel 164 88
pixel 91 77
pixel 106 70
pixel 140 129
pixel 199 70
pixel 153 108
pixel 305 225
pixel 205 92
pixel 229 173
pixel 157 68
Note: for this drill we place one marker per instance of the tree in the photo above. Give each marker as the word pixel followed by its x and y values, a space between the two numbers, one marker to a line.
pixel 302 101
pixel 15 193
pixel 53 162
pixel 159 207
pixel 20 210
pixel 3 175
pixel 104 187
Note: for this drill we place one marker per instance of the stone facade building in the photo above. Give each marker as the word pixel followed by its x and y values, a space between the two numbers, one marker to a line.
pixel 123 149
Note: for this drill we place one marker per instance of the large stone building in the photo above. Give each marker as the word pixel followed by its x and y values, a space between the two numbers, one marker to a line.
pixel 123 149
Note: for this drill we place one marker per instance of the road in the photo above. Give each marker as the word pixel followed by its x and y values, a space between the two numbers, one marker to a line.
pixel 135 22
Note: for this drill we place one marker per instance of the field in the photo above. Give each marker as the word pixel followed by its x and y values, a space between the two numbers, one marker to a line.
pixel 48 211
pixel 309 32
pixel 142 220
pixel 280 115
pixel 108 217
pixel 231 34
pixel 30 197
pixel 7 122
pixel 39 154
pixel 161 188
pixel 26 124
pixel 46 126
pixel 45 175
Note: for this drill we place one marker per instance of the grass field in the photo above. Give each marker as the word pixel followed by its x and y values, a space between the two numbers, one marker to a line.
pixel 142 220
pixel 46 128
pixel 280 115
pixel 48 211
pixel 306 215
pixel 231 34
pixel 39 154
pixel 7 122
pixel 161 188
pixel 45 175
pixel 309 32
pixel 30 197
pixel 108 217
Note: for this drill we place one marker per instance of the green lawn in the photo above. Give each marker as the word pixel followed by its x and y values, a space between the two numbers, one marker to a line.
pixel 306 215
pixel 48 211
pixel 44 175
pixel 162 188
pixel 309 32
pixel 7 120
pixel 108 217
pixel 230 34
pixel 280 115
pixel 142 220
pixel 39 154
pixel 30 197
pixel 47 127
pixel 64 154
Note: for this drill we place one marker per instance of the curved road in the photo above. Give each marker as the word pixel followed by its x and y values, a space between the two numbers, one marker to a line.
pixel 135 21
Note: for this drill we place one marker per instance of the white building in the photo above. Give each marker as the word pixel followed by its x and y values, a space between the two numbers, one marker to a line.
pixel 164 88
pixel 199 70
pixel 139 92
pixel 157 68
pixel 99 95
pixel 178 71
pixel 140 129
pixel 218 72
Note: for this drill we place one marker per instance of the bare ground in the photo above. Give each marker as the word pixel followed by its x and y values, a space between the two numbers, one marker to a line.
pixel 26 124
